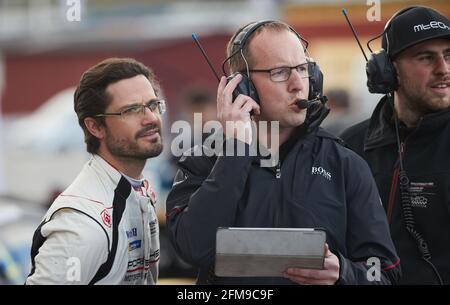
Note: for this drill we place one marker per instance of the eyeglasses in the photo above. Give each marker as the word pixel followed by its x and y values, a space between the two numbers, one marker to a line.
pixel 155 105
pixel 282 74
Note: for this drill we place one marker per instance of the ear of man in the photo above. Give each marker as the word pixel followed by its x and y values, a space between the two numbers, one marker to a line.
pixel 395 69
pixel 95 127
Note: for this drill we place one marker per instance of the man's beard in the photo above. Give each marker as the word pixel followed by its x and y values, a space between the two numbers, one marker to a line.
pixel 128 149
pixel 423 101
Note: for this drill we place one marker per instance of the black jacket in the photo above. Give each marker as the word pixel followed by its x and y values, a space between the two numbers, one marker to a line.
pixel 426 153
pixel 212 192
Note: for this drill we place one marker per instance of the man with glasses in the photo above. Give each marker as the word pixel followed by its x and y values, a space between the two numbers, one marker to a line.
pixel 103 228
pixel 317 182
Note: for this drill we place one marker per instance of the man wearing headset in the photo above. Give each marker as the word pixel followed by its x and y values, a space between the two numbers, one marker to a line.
pixel 103 228
pixel 406 141
pixel 316 183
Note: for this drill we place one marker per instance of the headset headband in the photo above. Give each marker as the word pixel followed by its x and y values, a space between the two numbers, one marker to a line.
pixel 244 35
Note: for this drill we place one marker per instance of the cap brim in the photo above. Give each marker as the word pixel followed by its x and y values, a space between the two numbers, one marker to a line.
pixel 440 35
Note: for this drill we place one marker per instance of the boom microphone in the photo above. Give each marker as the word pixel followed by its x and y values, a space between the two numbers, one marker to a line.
pixel 305 104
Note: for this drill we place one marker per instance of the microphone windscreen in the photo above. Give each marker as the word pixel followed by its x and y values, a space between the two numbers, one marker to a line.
pixel 303 104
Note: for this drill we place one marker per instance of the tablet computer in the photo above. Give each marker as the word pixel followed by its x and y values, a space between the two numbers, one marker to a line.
pixel 267 252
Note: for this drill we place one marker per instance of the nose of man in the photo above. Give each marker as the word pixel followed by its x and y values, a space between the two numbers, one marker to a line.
pixel 150 117
pixel 442 66
pixel 296 82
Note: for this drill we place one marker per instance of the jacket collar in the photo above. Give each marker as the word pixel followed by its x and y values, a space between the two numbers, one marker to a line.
pixel 100 163
pixel 381 130
pixel 111 175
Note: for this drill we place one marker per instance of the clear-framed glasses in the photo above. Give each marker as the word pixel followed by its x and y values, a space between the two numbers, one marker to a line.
pixel 282 74
pixel 156 105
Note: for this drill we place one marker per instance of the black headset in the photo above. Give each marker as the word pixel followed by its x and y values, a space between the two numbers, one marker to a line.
pixel 381 74
pixel 246 85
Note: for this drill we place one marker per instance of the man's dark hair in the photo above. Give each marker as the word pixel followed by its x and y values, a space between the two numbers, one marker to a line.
pixel 91 98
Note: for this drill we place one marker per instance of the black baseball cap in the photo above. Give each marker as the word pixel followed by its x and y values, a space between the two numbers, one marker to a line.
pixel 411 26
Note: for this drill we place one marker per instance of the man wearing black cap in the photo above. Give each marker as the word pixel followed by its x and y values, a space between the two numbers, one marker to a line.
pixel 408 148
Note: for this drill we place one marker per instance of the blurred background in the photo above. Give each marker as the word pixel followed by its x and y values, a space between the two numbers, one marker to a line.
pixel 45 46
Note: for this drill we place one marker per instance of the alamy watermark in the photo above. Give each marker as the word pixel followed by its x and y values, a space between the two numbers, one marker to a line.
pixel 374 12
pixel 73 273
pixel 263 137
pixel 374 272
pixel 73 12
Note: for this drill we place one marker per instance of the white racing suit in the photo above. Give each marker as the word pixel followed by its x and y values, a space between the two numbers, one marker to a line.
pixel 100 230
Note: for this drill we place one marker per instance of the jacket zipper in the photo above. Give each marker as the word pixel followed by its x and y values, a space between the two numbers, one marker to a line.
pixel 394 184
pixel 276 207
pixel 395 175
pixel 392 193
pixel 278 170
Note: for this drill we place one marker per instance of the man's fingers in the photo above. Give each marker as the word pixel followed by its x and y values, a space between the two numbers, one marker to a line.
pixel 222 84
pixel 227 92
pixel 311 276
pixel 307 281
pixel 248 107
pixel 238 111
pixel 316 274
pixel 221 87
pixel 327 251
pixel 303 273
pixel 254 106
pixel 245 103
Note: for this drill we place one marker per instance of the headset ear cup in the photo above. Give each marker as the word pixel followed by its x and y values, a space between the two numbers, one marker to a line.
pixel 252 91
pixel 244 87
pixel 371 72
pixel 381 74
pixel 315 81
